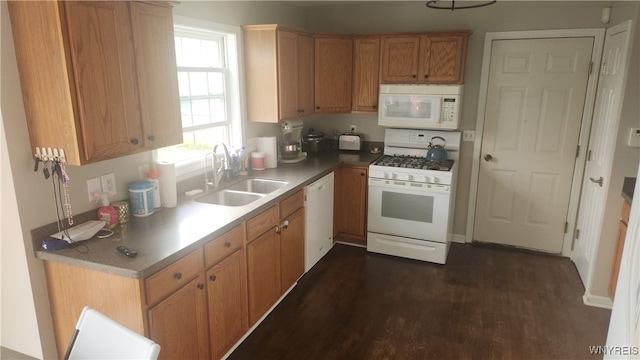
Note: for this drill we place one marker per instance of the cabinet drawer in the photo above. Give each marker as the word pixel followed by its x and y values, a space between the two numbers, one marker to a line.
pixel 626 211
pixel 223 246
pixel 291 204
pixel 174 276
pixel 261 223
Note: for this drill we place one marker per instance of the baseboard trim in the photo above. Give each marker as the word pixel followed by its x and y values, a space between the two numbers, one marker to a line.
pixel 457 238
pixel 597 301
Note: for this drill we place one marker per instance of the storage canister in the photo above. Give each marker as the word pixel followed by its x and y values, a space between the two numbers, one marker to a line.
pixel 141 198
pixel 257 160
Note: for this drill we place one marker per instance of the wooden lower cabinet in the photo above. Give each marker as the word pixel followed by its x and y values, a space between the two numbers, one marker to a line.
pixel 350 205
pixel 179 323
pixel 617 255
pixel 275 257
pixel 227 298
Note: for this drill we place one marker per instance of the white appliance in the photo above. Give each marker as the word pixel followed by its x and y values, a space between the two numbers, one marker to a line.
pixel 420 106
pixel 411 200
pixel 318 233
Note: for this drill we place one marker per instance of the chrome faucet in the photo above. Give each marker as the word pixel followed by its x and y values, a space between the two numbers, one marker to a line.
pixel 219 166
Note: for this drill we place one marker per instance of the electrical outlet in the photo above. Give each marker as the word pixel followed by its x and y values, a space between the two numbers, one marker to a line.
pixel 93 186
pixel 109 184
pixel 353 128
pixel 468 135
pixel 142 172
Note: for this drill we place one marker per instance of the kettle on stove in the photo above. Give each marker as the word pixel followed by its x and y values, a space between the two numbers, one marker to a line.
pixel 437 153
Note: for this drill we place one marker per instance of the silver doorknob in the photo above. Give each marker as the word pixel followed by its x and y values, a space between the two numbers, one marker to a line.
pixel 599 181
pixel 488 157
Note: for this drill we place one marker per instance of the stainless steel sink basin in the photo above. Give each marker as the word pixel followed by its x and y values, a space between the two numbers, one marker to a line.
pixel 229 197
pixel 260 186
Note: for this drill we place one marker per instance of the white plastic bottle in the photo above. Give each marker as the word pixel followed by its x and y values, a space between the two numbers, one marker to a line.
pixel 244 161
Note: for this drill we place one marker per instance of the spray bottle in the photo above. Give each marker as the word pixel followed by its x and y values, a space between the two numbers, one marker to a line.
pixel 107 212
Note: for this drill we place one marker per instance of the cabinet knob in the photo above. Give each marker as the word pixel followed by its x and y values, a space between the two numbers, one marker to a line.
pixel 361 174
pixel 227 244
pixel 177 275
pixel 375 107
pixel 426 76
pixel 134 141
pixel 212 278
pixel 414 76
pixel 278 230
pixel 285 224
pixel 200 286
pixel 317 107
pixel 151 138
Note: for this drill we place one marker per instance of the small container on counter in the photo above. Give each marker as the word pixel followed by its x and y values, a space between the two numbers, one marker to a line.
pixel 141 198
pixel 122 207
pixel 257 160
pixel 153 176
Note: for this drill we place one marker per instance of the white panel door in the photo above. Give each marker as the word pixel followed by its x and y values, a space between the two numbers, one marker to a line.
pixel 602 140
pixel 535 99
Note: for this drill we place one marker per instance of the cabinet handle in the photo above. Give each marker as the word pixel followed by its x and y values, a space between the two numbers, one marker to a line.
pixel 151 138
pixel 285 224
pixel 200 286
pixel 134 141
pixel 414 76
pixel 177 275
pixel 278 230
pixel 375 107
pixel 361 174
pixel 426 76
pixel 317 107
pixel 227 244
pixel 212 278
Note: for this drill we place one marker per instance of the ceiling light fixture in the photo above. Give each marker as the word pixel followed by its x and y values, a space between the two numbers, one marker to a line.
pixel 437 4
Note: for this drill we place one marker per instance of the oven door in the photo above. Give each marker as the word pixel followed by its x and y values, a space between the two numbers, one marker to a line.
pixel 410 111
pixel 414 210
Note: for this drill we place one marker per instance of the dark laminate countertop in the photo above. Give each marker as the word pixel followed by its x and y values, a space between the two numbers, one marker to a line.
pixel 627 188
pixel 170 233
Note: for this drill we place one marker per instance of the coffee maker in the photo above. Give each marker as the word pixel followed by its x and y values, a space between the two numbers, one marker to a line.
pixel 291 145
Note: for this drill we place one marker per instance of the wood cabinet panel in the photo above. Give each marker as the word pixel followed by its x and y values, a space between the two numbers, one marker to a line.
pixel 292 249
pixel 333 74
pixel 400 59
pixel 158 77
pixel 366 76
pixel 223 246
pixel 228 306
pixel 179 323
pixel 350 204
pixel 268 219
pixel 291 204
pixel 287 43
pixel 263 273
pixel 306 74
pixel 174 276
pixel 100 93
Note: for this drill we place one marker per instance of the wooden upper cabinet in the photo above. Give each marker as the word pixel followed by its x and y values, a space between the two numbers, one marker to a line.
pixel 279 73
pixel 434 58
pixel 333 74
pixel 107 86
pixel 366 74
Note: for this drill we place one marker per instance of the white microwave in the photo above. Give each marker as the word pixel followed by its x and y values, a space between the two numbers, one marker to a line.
pixel 420 106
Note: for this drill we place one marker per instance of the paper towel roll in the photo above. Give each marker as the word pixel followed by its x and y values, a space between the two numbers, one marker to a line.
pixel 269 146
pixel 168 189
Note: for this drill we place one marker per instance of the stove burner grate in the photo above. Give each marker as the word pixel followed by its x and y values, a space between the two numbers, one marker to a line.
pixel 414 162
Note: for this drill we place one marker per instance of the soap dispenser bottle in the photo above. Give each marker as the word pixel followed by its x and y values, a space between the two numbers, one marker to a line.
pixel 107 212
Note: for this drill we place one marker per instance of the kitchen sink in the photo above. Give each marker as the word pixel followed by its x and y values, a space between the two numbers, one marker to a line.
pixel 229 197
pixel 260 186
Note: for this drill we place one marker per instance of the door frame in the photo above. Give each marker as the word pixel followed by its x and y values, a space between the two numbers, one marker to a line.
pixel 598 36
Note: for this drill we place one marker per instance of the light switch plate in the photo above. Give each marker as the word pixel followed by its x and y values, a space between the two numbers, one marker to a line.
pixel 634 137
pixel 94 186
pixel 468 135
pixel 109 184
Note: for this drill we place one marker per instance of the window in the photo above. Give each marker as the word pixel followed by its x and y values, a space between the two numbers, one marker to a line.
pixel 207 60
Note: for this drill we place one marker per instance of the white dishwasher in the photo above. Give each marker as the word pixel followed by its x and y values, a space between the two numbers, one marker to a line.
pixel 318 233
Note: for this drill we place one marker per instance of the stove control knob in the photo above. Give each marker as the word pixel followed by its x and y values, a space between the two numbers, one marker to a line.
pixel 436 180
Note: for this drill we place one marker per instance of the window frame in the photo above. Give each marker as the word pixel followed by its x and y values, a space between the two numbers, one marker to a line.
pixel 234 88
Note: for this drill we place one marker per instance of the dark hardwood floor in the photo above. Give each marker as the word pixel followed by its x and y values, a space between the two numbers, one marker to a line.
pixel 487 302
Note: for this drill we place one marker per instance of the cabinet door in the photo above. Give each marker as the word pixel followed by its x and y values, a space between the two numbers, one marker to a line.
pixel 179 323
pixel 366 77
pixel 351 204
pixel 333 75
pixel 157 74
pixel 263 266
pixel 292 248
pixel 305 75
pixel 442 59
pixel 287 43
pixel 228 309
pixel 104 73
pixel 400 59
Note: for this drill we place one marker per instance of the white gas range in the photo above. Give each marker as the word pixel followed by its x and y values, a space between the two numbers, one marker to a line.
pixel 411 200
